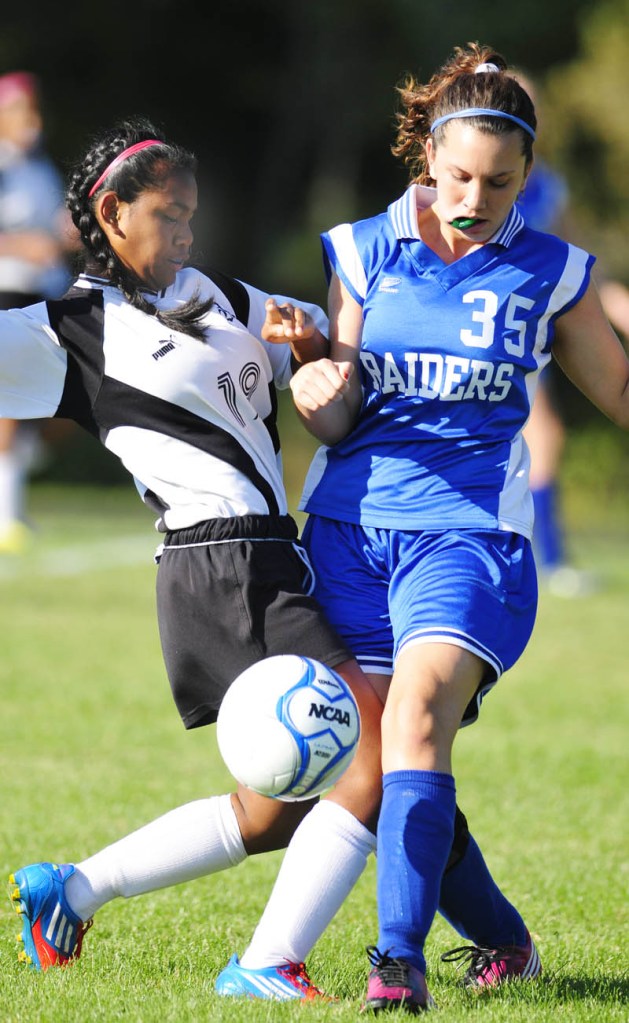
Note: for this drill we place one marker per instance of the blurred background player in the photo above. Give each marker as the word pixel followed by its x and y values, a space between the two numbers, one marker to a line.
pixel 34 234
pixel 544 204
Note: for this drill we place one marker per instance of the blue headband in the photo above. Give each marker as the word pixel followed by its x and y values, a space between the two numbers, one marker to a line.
pixel 480 112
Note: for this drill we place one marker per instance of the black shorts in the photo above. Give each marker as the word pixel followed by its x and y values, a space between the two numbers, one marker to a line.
pixel 230 592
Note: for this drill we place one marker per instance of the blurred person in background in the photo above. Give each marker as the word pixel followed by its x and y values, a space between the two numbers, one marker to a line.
pixel 545 203
pixel 615 299
pixel 34 234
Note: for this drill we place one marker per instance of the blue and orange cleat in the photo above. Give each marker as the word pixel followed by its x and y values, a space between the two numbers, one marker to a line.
pixel 277 983
pixel 490 967
pixel 52 935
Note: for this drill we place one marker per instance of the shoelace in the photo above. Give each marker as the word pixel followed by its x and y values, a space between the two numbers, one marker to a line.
pixel 81 931
pixel 393 972
pixel 479 957
pixel 298 972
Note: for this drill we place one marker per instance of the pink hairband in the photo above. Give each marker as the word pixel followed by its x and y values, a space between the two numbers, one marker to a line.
pixel 118 159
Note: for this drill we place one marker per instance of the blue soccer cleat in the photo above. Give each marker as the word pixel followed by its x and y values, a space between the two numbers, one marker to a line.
pixel 52 934
pixel 278 983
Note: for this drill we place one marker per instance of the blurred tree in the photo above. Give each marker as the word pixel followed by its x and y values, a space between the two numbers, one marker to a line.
pixel 589 132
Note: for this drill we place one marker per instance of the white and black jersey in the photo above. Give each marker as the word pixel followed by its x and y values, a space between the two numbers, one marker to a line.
pixel 193 422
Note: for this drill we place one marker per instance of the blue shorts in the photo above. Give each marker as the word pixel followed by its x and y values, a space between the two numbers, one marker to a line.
pixel 383 589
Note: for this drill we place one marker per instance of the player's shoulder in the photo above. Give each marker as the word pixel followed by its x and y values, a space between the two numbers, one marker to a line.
pixel 543 244
pixel 363 229
pixel 536 237
pixel 548 258
pixel 231 294
pixel 367 240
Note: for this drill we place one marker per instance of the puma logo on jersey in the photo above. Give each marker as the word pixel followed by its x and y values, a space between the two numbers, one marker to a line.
pixel 390 284
pixel 164 350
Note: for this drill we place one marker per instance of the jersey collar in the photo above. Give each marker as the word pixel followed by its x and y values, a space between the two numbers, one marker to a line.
pixel 91 280
pixel 85 280
pixel 403 216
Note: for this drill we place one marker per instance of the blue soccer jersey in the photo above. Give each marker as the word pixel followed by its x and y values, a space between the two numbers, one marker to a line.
pixel 449 361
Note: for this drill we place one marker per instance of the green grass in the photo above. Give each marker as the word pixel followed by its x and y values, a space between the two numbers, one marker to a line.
pixel 91 746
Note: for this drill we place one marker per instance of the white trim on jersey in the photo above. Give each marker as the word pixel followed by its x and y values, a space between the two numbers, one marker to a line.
pixel 509 229
pixel 403 216
pixel 342 238
pixel 515 504
pixel 564 293
pixel 403 212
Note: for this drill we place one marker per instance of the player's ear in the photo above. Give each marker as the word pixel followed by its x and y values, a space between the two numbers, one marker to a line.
pixel 429 148
pixel 108 212
pixel 527 171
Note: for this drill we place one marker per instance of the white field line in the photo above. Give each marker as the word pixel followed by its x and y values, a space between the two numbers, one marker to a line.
pixel 78 559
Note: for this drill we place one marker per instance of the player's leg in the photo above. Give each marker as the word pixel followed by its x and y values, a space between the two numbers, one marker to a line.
pixel 431 687
pixel 545 437
pixel 325 857
pixel 199 616
pixel 191 841
pixel 13 531
pixel 485 621
pixel 501 947
pixel 213 624
pixel 329 850
pixel 289 925
pixel 471 901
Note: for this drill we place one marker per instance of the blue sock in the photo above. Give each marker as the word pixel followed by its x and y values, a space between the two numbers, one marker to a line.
pixel 414 838
pixel 548 541
pixel 474 905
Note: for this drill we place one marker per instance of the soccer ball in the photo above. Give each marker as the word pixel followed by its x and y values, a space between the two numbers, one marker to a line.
pixel 288 727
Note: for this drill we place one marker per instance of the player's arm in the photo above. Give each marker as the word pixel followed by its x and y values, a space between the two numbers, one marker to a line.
pixel 592 356
pixel 327 393
pixel 32 365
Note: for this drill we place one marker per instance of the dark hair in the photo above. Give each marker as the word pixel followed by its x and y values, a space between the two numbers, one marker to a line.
pixel 142 171
pixel 455 86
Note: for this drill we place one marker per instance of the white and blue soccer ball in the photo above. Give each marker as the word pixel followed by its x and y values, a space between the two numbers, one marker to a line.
pixel 288 727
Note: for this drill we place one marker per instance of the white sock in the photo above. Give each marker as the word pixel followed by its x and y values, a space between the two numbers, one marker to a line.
pixel 198 838
pixel 326 856
pixel 11 488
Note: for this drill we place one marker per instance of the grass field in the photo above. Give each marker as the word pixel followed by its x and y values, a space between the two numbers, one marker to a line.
pixel 91 746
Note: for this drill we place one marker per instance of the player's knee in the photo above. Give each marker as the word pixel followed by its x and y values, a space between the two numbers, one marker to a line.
pixel 361 794
pixel 267 824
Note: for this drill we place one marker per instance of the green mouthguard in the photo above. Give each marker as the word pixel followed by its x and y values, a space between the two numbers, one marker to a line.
pixel 463 222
